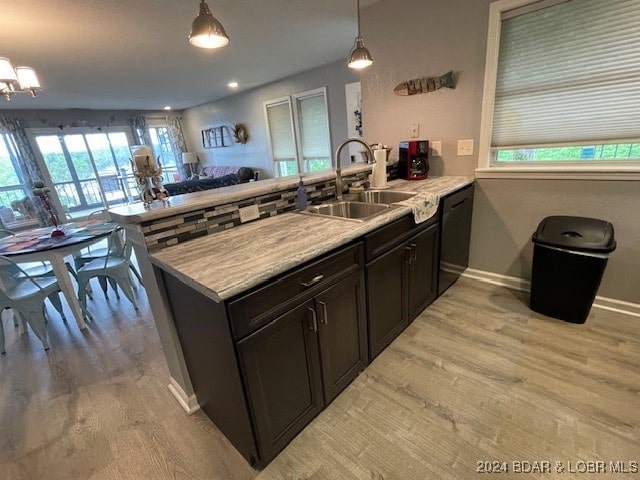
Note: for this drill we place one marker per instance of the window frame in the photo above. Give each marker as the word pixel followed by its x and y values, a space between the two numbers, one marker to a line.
pixel 620 170
pixel 292 102
pixel 32 133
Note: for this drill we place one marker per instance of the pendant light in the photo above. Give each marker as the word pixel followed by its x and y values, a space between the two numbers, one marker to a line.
pixel 206 30
pixel 359 57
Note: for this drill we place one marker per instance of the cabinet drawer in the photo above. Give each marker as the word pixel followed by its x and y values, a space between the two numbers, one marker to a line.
pixel 255 309
pixel 385 238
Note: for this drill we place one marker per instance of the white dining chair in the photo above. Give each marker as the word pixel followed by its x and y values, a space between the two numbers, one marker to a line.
pixel 113 266
pixel 26 295
pixel 100 250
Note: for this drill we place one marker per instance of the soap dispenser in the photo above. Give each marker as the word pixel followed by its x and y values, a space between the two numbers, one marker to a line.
pixel 301 201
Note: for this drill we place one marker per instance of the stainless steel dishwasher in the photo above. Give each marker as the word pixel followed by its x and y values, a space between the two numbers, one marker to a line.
pixel 455 232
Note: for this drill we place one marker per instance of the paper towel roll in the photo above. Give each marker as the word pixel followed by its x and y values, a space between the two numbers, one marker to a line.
pixel 379 174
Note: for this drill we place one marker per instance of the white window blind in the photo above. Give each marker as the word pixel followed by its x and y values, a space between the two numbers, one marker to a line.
pixel 569 72
pixel 313 127
pixel 279 122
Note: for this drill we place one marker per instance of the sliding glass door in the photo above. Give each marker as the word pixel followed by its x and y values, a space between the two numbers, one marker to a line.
pixel 88 170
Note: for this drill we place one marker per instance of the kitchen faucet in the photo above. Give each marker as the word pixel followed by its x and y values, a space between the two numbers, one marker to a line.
pixel 339 170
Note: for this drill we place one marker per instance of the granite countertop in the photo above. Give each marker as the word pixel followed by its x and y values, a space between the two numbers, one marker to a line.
pixel 225 264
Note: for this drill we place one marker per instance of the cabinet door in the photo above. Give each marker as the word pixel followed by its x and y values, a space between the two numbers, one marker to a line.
pixel 423 271
pixel 342 333
pixel 281 367
pixel 387 279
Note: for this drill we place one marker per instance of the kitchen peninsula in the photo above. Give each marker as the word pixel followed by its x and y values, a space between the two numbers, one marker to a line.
pixel 289 288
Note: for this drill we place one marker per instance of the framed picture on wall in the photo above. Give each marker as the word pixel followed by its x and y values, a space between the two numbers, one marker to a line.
pixel 213 137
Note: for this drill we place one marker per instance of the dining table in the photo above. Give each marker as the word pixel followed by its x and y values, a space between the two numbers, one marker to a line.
pixel 37 245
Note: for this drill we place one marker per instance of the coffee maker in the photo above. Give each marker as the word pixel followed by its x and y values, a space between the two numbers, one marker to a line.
pixel 414 159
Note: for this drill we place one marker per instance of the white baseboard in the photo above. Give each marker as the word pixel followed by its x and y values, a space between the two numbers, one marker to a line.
pixel 617 306
pixel 523 285
pixel 188 403
pixel 513 283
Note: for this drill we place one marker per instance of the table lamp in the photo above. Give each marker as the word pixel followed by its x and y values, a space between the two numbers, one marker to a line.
pixel 190 159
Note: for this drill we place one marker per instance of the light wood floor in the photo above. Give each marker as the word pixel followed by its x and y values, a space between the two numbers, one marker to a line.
pixel 476 377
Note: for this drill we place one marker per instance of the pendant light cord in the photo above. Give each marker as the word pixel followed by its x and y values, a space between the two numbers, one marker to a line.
pixel 358 7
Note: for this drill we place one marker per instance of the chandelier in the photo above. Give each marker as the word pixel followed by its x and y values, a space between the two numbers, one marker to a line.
pixel 17 80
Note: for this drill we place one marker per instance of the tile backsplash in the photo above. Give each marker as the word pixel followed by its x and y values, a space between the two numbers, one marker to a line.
pixel 166 232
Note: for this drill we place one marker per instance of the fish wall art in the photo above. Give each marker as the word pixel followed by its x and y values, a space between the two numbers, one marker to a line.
pixel 425 84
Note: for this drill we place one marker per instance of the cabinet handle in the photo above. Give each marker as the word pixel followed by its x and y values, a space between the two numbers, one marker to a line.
pixel 325 315
pixel 414 251
pixel 313 281
pixel 459 203
pixel 314 319
pixel 407 256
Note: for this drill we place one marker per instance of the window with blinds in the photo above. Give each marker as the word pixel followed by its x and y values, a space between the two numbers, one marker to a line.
pixel 567 83
pixel 298 128
pixel 283 145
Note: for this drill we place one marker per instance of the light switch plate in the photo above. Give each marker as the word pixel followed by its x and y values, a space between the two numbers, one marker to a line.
pixel 414 130
pixel 248 213
pixel 436 148
pixel 465 147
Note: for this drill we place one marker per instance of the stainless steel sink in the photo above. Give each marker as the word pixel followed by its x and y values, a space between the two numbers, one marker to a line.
pixel 358 211
pixel 385 197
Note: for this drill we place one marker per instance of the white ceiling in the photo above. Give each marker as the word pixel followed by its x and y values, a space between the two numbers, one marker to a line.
pixel 134 54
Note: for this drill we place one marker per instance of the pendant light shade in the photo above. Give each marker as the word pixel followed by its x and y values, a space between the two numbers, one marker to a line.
pixel 359 57
pixel 7 73
pixel 206 30
pixel 18 80
pixel 27 78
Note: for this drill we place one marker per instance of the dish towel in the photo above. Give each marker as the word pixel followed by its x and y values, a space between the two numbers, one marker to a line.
pixel 423 205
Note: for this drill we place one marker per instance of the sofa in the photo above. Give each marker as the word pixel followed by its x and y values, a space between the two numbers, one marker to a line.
pixel 214 177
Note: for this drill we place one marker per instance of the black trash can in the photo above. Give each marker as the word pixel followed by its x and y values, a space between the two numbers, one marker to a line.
pixel 569 257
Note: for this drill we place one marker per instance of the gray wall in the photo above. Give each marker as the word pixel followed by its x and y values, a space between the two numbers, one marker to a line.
pixel 247 107
pixel 413 38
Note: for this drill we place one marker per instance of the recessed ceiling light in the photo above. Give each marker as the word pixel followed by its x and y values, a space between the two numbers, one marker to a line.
pixel 232 85
pixel 167 107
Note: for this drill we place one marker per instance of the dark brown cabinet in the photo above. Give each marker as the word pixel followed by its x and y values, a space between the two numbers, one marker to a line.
pixel 386 304
pixel 281 367
pixel 342 332
pixel 302 360
pixel 264 364
pixel 400 282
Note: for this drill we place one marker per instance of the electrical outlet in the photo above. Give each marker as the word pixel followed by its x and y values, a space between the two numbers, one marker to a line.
pixel 465 147
pixel 248 213
pixel 436 149
pixel 414 130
